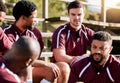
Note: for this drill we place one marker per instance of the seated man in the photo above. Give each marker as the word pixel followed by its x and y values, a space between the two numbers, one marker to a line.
pixel 22 54
pixel 100 66
pixel 25 13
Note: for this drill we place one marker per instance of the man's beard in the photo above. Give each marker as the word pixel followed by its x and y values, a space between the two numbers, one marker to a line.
pixel 97 61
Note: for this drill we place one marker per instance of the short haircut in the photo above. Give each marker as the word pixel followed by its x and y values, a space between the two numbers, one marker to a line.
pixel 75 4
pixel 2 7
pixel 26 46
pixel 103 36
pixel 23 7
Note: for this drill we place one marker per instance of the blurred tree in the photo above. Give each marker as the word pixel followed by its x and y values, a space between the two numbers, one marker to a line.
pixel 57 8
pixel 113 14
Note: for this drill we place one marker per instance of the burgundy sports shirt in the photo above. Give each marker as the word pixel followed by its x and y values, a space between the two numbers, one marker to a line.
pixel 5 43
pixel 75 43
pixel 87 71
pixel 38 36
pixel 13 33
pixel 6 75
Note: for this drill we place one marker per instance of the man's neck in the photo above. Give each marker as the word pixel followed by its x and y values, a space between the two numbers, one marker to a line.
pixel 20 26
pixel 76 27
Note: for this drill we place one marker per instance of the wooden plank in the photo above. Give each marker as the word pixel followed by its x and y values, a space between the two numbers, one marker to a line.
pixel 50 54
pixel 10 17
pixel 116 37
pixel 92 22
pixel 66 19
pixel 46 35
pixel 49 35
pixel 46 54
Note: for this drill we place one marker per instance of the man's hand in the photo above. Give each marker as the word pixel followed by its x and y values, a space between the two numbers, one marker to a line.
pixel 77 58
pixel 55 69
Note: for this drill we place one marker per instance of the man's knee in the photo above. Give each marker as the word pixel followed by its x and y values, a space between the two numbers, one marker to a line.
pixel 65 71
pixel 43 72
pixel 64 67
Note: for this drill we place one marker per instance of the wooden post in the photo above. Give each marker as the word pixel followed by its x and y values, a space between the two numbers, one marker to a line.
pixel 45 14
pixel 44 23
pixel 103 11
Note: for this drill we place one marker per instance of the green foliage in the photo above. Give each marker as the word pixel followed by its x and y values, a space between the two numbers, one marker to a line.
pixel 9 8
pixel 57 8
pixel 39 6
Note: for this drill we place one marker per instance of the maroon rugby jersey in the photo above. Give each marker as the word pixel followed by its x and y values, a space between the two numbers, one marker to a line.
pixel 13 33
pixel 5 43
pixel 39 36
pixel 75 43
pixel 87 71
pixel 6 75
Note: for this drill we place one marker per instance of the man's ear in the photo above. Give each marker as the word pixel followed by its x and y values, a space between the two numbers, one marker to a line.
pixel 23 18
pixel 28 62
pixel 111 48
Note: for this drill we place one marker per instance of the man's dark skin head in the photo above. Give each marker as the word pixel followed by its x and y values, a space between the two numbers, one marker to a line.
pixel 22 54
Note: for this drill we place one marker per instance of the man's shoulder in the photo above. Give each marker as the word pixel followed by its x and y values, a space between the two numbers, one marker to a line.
pixel 114 63
pixel 35 30
pixel 7 76
pixel 115 60
pixel 81 62
pixel 61 29
pixel 8 28
pixel 85 28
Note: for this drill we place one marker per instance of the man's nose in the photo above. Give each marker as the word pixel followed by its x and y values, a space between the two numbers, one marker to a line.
pixel 98 51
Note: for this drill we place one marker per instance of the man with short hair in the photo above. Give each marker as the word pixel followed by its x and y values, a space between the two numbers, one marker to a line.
pixel 100 66
pixel 22 54
pixel 71 40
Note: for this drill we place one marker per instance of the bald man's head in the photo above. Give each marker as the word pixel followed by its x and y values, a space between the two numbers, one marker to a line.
pixel 26 47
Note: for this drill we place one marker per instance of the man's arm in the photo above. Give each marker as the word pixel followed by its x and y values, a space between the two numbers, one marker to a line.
pixel 60 55
pixel 48 66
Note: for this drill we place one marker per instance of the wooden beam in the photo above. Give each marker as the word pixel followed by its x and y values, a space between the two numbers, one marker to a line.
pixel 49 35
pixel 46 35
pixel 92 22
pixel 66 19
pixel 10 17
pixel 116 37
